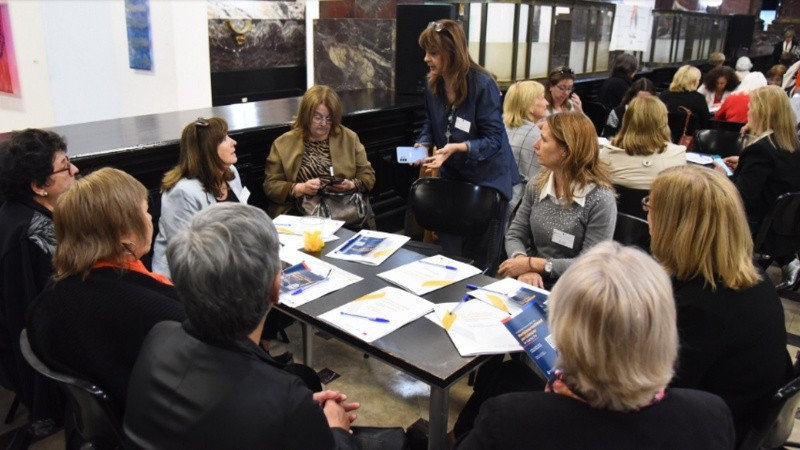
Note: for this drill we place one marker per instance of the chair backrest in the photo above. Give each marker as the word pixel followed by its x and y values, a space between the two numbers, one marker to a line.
pixel 677 121
pixel 719 142
pixel 774 427
pixel 629 201
pixel 632 230
pixel 725 125
pixel 458 208
pixel 597 113
pixel 779 234
pixel 95 415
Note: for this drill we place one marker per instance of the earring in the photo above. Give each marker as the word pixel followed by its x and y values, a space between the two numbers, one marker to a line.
pixel 43 194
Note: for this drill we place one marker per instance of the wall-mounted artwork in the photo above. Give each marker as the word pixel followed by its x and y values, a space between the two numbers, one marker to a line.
pixel 8 66
pixel 140 48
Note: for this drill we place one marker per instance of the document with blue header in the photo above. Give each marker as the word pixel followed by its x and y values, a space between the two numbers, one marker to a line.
pixel 369 247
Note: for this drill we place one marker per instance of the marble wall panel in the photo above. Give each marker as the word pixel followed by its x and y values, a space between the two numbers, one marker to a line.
pixel 256 9
pixel 354 54
pixel 358 9
pixel 268 43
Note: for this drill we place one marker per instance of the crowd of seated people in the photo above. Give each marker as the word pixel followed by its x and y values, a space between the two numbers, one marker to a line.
pixel 72 249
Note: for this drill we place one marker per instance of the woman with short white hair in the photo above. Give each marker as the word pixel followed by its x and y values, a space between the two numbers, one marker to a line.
pixel 617 343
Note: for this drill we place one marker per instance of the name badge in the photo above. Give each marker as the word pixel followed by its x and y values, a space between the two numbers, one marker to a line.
pixel 244 195
pixel 562 238
pixel 462 124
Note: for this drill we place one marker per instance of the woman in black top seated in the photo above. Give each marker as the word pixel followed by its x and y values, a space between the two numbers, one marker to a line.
pixel 640 88
pixel 617 343
pixel 92 321
pixel 683 92
pixel 730 320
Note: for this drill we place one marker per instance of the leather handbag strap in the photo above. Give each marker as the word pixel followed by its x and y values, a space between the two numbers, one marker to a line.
pixel 688 113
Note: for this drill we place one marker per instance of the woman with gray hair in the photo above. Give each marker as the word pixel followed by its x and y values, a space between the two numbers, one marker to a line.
pixel 617 344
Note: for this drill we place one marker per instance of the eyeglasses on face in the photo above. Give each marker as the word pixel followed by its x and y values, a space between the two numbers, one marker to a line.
pixel 67 168
pixel 321 119
pixel 437 26
pixel 646 204
pixel 565 89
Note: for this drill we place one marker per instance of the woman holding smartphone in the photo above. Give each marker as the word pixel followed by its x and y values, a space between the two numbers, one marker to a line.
pixel 464 124
pixel 560 91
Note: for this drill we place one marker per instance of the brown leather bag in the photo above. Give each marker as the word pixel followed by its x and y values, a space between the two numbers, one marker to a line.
pixel 686 140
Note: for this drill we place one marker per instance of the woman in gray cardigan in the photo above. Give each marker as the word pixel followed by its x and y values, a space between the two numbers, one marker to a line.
pixel 568 208
pixel 205 175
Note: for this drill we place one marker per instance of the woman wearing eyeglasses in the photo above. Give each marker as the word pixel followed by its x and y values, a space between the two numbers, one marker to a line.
pixel 318 153
pixel 464 124
pixel 560 91
pixel 205 175
pixel 730 319
pixel 34 172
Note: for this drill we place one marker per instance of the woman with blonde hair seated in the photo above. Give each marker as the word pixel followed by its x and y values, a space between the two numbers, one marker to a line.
pixel 523 107
pixel 92 321
pixel 768 167
pixel 730 320
pixel 642 148
pixel 683 92
pixel 617 344
pixel 567 209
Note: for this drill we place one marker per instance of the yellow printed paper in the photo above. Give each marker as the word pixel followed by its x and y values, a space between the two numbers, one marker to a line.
pixel 497 302
pixel 438 283
pixel 447 320
pixel 373 296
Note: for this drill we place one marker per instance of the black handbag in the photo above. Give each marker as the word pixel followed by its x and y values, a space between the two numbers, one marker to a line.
pixel 352 207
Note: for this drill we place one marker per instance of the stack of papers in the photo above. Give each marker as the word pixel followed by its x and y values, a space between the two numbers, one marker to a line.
pixel 369 247
pixel 290 231
pixel 427 275
pixel 324 278
pixel 476 328
pixel 510 296
pixel 698 158
pixel 375 315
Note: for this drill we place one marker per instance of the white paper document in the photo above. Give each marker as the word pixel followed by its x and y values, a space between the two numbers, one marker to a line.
pixel 428 274
pixel 377 314
pixel 336 278
pixel 369 247
pixel 476 328
pixel 510 295
pixel 698 158
pixel 290 230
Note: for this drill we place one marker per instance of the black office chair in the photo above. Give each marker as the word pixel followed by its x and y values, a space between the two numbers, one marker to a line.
pixel 719 142
pixel 724 125
pixel 774 428
pixel 677 122
pixel 629 201
pixel 459 208
pixel 597 113
pixel 779 234
pixel 632 230
pixel 94 413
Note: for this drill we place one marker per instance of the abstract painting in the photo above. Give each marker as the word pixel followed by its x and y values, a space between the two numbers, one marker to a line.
pixel 8 67
pixel 137 20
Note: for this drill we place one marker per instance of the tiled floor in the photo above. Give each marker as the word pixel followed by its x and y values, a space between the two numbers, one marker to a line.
pixel 388 397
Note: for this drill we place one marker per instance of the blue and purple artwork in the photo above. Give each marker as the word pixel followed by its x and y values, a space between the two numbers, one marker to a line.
pixel 140 49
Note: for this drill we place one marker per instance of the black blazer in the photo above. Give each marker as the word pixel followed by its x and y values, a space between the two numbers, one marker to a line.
pixel 777 50
pixel 693 100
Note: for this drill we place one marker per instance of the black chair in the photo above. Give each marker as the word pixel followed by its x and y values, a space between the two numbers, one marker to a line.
pixel 779 233
pixel 774 428
pixel 460 208
pixel 677 122
pixel 597 113
pixel 725 125
pixel 629 201
pixel 94 412
pixel 719 142
pixel 632 230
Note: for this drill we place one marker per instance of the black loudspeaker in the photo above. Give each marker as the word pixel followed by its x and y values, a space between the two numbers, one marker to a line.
pixel 409 68
pixel 739 35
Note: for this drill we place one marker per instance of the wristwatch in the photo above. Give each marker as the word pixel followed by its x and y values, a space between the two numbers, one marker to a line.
pixel 548 266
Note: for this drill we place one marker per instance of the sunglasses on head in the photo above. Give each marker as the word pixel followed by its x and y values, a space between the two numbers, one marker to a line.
pixel 437 26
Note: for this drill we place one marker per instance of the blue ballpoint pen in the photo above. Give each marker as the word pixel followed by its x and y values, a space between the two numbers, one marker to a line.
pixel 464 299
pixel 475 288
pixel 431 263
pixel 374 319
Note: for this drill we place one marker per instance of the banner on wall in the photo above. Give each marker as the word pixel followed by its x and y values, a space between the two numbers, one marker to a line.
pixel 137 21
pixel 632 27
pixel 8 67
